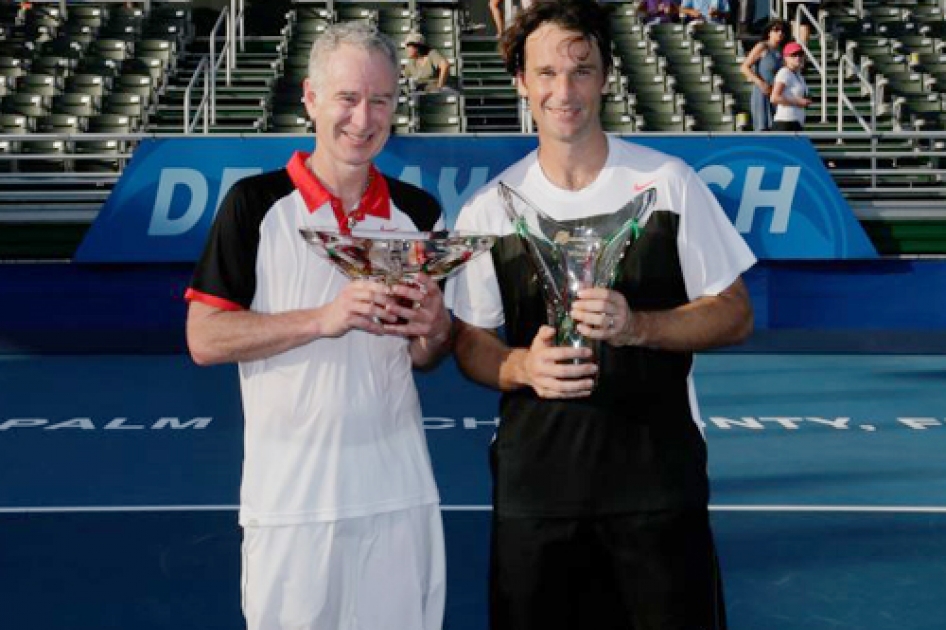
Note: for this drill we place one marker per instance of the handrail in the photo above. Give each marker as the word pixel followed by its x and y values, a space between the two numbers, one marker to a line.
pixel 526 123
pixel 237 11
pixel 202 108
pixel 843 101
pixel 821 68
pixel 215 61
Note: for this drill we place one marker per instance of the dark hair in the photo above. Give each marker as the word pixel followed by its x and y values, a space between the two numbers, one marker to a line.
pixel 772 25
pixel 590 20
pixel 422 49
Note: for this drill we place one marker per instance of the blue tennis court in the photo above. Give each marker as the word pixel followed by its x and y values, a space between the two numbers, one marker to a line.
pixel 120 477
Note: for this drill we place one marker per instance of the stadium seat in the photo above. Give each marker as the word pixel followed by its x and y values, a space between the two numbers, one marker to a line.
pixel 110 123
pixel 44 156
pixel 126 104
pixel 60 123
pixel 97 156
pixel 82 105
pixel 15 123
pixel 25 104
pixel 288 123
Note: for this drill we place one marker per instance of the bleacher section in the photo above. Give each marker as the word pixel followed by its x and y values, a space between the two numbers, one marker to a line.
pixel 77 87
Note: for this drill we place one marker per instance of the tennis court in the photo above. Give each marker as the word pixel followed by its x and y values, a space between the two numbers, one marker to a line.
pixel 120 477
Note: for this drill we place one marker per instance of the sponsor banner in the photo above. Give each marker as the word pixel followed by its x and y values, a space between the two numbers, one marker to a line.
pixel 775 189
pixel 132 431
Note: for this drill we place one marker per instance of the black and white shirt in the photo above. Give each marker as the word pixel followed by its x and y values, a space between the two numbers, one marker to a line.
pixel 635 444
pixel 334 427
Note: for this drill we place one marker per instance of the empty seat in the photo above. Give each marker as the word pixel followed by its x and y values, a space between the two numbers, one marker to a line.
pixel 82 105
pixel 80 34
pixel 56 65
pixel 134 83
pixel 114 49
pixel 59 123
pixel 7 147
pixel 25 104
pixel 11 68
pixel 90 16
pixel 122 103
pixel 15 123
pixel 45 85
pixel 289 123
pixel 110 123
pixel 98 156
pixel 43 156
pixel 108 68
pixel 92 85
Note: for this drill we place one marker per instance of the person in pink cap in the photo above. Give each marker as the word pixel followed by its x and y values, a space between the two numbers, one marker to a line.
pixel 790 92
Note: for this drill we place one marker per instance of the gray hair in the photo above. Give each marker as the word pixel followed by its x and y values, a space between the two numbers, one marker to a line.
pixel 361 35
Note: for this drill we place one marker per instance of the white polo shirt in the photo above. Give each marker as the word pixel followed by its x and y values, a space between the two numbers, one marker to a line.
pixel 334 427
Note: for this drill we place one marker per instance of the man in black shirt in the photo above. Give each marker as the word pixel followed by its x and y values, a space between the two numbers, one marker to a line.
pixel 601 494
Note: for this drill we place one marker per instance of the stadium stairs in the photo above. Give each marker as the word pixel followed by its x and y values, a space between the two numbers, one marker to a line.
pixel 77 89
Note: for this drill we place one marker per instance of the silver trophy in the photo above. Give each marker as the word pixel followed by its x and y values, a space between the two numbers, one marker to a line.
pixel 569 256
pixel 396 257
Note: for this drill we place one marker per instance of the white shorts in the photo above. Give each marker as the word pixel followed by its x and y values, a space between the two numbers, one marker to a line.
pixel 380 572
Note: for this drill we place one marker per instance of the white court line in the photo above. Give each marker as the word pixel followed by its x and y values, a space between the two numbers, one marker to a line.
pixel 892 509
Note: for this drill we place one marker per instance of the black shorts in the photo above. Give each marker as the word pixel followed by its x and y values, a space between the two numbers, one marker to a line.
pixel 626 572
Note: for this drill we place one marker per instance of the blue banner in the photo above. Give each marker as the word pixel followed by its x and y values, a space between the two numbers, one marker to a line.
pixel 775 189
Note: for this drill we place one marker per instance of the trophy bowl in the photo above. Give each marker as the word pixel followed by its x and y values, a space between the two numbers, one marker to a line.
pixel 396 257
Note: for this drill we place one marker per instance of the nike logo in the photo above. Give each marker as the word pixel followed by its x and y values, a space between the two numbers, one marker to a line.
pixel 644 186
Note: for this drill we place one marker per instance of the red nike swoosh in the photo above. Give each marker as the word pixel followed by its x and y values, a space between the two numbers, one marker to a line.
pixel 640 187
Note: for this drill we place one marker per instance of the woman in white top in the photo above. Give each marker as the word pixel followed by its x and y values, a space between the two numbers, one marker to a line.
pixel 790 92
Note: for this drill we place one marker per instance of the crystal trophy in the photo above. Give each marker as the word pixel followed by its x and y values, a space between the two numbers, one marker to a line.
pixel 569 256
pixel 396 257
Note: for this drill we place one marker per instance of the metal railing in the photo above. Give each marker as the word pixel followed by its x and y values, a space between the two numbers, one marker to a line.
pixel 225 58
pixel 205 109
pixel 844 102
pixel 845 64
pixel 878 175
pixel 232 21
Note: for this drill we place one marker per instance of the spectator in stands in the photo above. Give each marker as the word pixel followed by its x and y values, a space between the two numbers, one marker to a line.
pixel 496 12
pixel 426 69
pixel 600 512
pixel 803 30
pixel 759 67
pixel 339 508
pixel 716 11
pixel 658 11
pixel 790 92
pixel 742 14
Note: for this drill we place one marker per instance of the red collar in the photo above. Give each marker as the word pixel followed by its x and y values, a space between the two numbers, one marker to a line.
pixel 375 202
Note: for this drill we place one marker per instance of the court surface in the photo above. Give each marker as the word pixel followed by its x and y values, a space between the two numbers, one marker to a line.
pixel 119 477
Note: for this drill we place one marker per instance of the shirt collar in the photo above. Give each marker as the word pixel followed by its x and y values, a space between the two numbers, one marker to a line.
pixel 375 202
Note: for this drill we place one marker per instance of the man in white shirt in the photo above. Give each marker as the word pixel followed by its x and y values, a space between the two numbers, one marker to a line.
pixel 340 513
